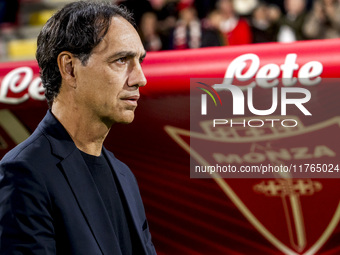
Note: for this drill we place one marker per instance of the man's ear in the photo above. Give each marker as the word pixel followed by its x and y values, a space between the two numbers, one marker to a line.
pixel 66 63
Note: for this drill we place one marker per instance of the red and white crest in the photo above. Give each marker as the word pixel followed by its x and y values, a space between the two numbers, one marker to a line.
pixel 296 211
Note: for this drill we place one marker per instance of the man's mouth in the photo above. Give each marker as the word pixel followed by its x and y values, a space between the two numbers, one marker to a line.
pixel 132 100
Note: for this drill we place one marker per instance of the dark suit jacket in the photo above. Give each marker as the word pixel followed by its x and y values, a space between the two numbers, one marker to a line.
pixel 49 203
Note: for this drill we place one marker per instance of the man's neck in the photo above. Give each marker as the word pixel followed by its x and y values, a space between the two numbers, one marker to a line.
pixel 87 133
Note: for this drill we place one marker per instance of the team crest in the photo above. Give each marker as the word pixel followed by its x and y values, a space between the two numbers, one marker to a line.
pixel 297 208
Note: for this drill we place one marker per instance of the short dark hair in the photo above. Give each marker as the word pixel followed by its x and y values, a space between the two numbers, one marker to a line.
pixel 78 28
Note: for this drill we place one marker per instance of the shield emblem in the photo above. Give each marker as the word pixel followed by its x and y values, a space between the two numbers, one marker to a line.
pixel 280 205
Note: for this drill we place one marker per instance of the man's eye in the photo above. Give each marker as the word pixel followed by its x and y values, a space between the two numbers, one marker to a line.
pixel 121 60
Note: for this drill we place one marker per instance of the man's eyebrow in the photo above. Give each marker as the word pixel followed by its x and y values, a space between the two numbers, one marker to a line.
pixel 125 54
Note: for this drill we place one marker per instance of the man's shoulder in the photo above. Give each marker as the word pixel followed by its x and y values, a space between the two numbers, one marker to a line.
pixel 29 150
pixel 28 161
pixel 49 138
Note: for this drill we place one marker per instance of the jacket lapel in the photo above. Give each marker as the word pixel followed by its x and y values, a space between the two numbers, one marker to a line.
pixel 128 196
pixel 90 202
pixel 82 184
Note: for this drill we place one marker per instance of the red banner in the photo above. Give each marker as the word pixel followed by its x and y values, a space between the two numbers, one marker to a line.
pixel 209 216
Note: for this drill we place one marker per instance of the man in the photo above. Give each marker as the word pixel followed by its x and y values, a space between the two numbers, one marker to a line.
pixel 61 191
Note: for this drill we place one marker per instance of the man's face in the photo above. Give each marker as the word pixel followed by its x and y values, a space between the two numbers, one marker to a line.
pixel 108 85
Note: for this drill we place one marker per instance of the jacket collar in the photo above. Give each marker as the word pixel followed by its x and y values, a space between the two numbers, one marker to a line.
pixel 62 144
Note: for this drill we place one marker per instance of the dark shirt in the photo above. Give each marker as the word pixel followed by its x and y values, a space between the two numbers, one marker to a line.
pixel 107 186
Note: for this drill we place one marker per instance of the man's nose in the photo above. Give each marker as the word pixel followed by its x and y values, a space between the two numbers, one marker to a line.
pixel 137 77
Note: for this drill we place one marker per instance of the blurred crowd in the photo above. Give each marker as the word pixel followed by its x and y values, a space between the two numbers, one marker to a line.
pixel 181 24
